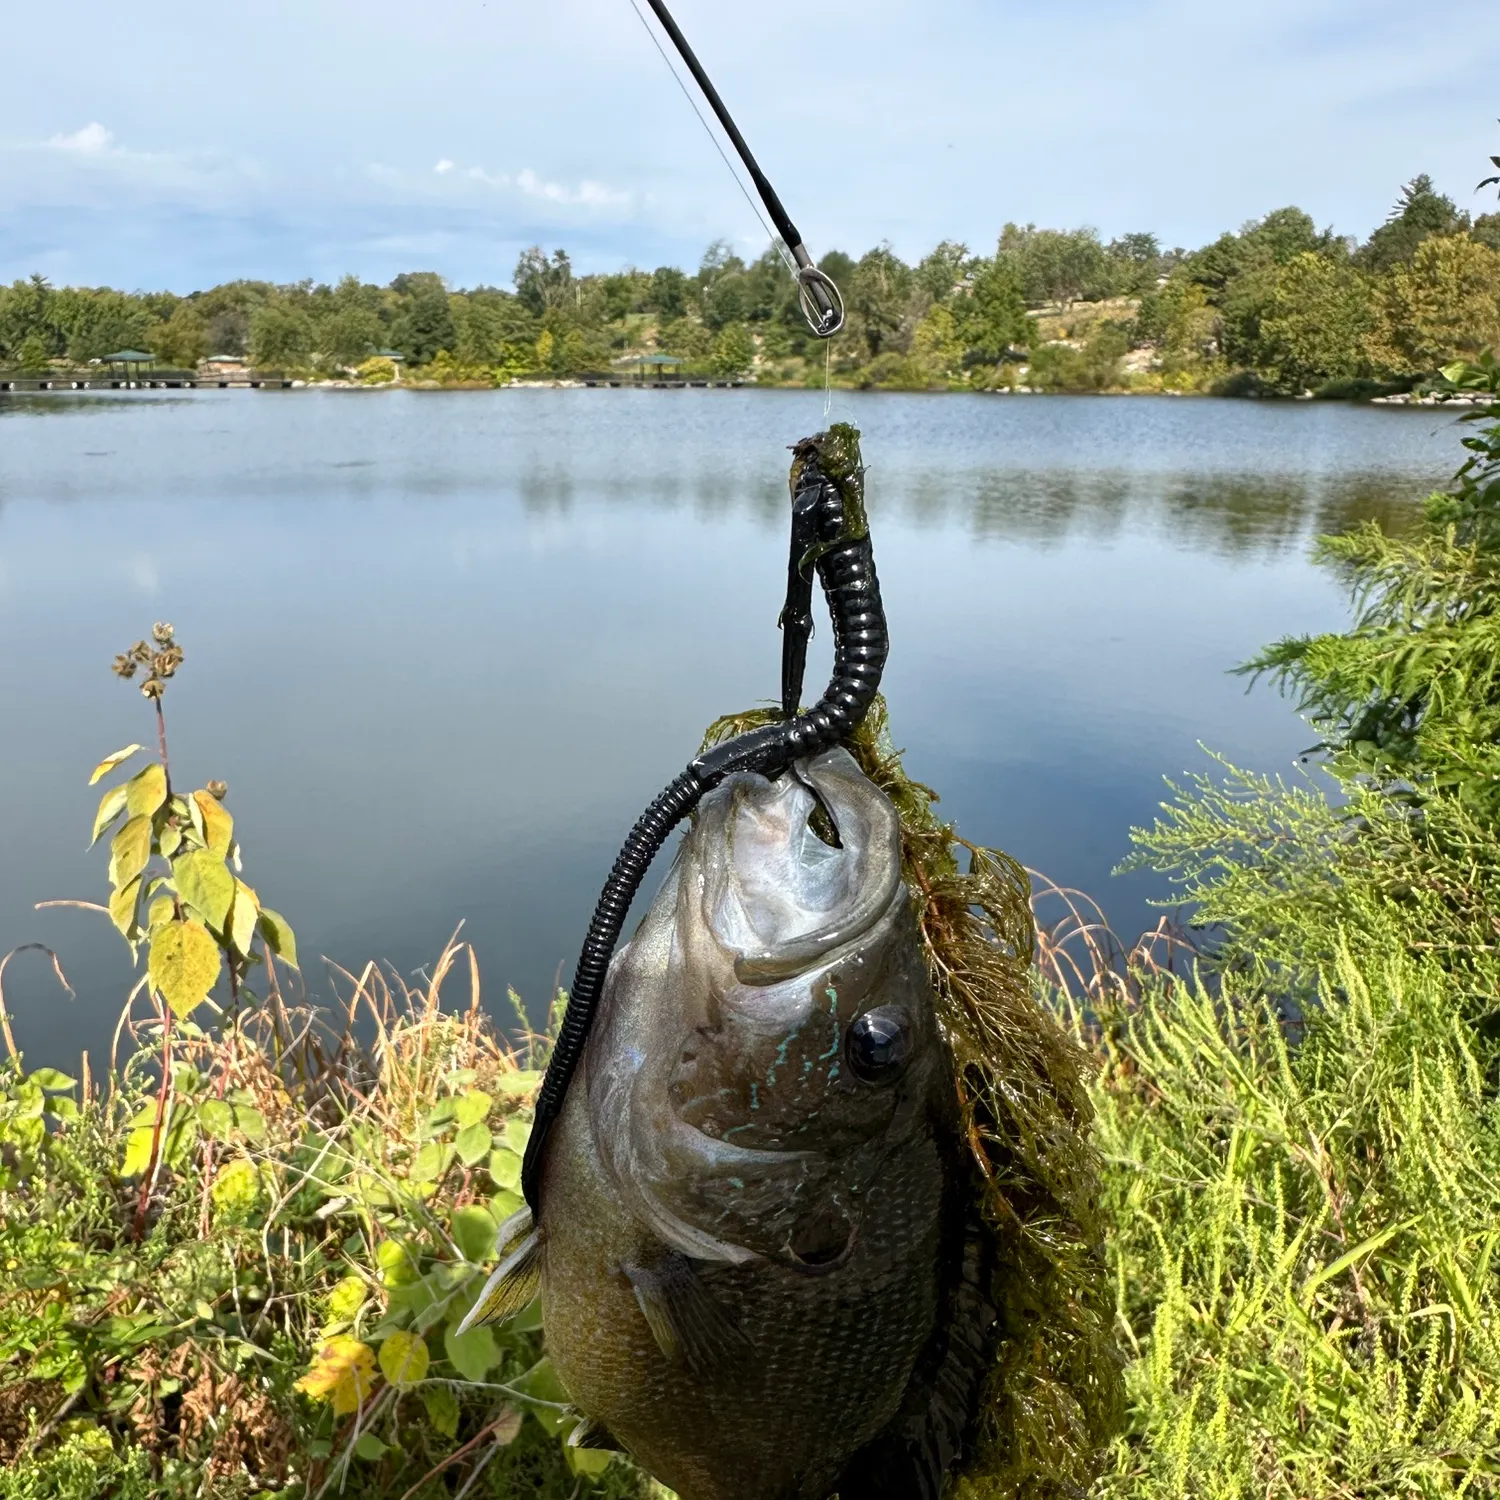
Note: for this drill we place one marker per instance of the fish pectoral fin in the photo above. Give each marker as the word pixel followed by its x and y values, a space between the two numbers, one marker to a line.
pixel 591 1434
pixel 515 1280
pixel 689 1325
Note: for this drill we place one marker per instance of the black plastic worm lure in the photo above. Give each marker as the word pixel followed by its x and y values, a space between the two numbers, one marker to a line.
pixel 830 536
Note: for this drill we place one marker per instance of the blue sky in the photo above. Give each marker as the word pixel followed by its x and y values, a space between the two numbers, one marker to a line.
pixel 180 146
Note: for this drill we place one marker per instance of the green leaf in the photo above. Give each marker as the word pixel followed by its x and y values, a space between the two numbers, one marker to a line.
pixel 395 1262
pixel 111 805
pixel 184 965
pixel 516 1134
pixel 505 1170
pixel 109 762
pixel 473 1144
pixel 442 1408
pixel 250 1123
pixel 244 917
pixel 540 1384
pixel 473 1354
pixel 169 840
pixel 439 1117
pixel 429 1162
pixel 369 1447
pixel 520 1083
pixel 122 904
pixel 146 791
pixel 204 882
pixel 504 1203
pixel 163 909
pixel 63 1108
pixel 217 1119
pixel 474 1233
pixel 277 932
pixel 588 1461
pixel 129 851
pixel 472 1107
pixel 51 1080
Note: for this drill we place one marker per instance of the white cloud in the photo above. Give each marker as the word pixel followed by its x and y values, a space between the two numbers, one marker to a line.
pixel 592 194
pixel 443 166
pixel 92 139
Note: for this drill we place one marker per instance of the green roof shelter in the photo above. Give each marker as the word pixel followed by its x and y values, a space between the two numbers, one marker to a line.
pixel 641 363
pixel 130 361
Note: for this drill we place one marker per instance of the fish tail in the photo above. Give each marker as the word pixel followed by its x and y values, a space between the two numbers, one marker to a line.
pixel 516 1279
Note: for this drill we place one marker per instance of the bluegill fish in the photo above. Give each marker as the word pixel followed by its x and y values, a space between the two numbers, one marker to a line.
pixel 759 1268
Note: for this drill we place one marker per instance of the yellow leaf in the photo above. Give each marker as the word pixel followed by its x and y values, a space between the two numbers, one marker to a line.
pixel 122 906
pixel 129 851
pixel 146 791
pixel 137 1150
pixel 218 826
pixel 343 1371
pixel 163 909
pixel 184 965
pixel 109 762
pixel 404 1359
pixel 243 916
pixel 204 882
pixel 111 805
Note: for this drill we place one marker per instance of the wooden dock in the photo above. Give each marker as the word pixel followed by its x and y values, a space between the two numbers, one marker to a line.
pixel 48 383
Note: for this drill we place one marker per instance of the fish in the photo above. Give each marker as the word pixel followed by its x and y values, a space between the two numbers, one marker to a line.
pixel 761 1272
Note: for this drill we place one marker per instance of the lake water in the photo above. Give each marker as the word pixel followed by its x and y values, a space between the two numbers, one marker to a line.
pixel 445 647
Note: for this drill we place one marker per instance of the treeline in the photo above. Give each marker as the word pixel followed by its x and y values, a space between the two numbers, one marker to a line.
pixel 1280 306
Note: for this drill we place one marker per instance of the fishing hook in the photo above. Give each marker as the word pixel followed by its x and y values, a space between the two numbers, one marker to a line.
pixel 829 536
pixel 822 303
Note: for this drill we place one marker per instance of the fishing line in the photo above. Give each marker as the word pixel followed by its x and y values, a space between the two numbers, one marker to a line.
pixel 708 130
pixel 821 302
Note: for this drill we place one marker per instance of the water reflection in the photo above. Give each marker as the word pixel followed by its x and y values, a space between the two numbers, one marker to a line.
pixel 445 648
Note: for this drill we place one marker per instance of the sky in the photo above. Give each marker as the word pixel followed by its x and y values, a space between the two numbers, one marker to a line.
pixel 177 147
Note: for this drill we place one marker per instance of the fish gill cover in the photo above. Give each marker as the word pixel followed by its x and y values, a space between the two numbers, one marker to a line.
pixel 1054 1395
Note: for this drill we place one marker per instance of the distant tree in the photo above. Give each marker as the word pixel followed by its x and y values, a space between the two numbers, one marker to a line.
pixel 228 310
pixel 1055 265
pixel 936 348
pixel 941 272
pixel 543 284
pixel 281 336
pixel 349 335
pixel 878 297
pixel 1486 230
pixel 26 319
pixel 992 319
pixel 1134 262
pixel 726 299
pixel 667 294
pixel 733 352
pixel 1420 214
pixel 182 339
pixel 426 324
pixel 1315 326
pixel 686 338
pixel 93 322
pixel 1443 306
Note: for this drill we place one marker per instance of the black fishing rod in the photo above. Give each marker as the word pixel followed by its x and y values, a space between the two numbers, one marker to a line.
pixel 830 536
pixel 822 304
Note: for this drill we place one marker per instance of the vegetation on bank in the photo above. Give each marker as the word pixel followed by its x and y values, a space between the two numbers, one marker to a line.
pixel 1281 307
pixel 235 1264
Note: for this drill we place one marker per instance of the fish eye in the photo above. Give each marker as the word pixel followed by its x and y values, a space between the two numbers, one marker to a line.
pixel 879 1044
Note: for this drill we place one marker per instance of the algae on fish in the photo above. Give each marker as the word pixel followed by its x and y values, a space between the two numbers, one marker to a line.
pixel 1054 1396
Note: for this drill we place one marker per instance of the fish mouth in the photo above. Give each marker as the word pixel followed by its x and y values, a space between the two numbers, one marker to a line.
pixel 810 863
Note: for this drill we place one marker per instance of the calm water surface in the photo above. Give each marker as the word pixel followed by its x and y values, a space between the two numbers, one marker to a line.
pixel 445 647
